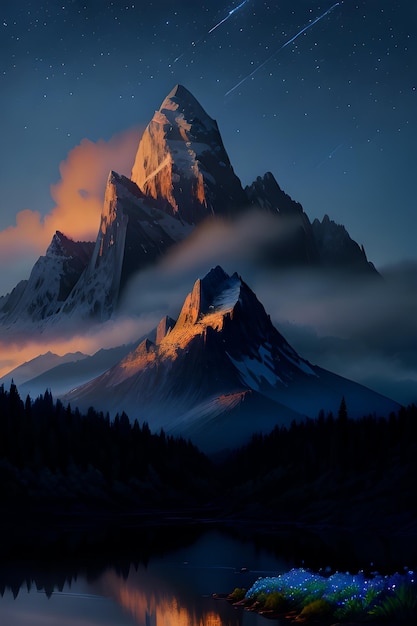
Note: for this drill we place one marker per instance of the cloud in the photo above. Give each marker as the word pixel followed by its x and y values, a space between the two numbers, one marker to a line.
pixel 79 198
pixel 75 338
pixel 363 329
pixel 235 245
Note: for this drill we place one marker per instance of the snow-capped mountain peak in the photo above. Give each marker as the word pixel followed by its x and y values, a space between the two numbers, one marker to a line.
pixel 181 107
pixel 63 246
pixel 181 175
pixel 181 162
pixel 214 295
pixel 222 361
pixel 50 282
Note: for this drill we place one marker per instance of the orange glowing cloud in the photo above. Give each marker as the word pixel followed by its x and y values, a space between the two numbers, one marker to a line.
pixel 79 198
pixel 14 352
pixel 79 194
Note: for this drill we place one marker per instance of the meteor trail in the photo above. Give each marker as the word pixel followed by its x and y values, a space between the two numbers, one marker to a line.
pixel 227 16
pixel 330 155
pixel 195 43
pixel 287 43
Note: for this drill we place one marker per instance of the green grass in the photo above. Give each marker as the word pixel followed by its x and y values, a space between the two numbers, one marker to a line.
pixel 399 606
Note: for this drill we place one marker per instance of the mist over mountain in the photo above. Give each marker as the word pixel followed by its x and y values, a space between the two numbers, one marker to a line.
pixel 182 211
pixel 221 372
pixel 181 176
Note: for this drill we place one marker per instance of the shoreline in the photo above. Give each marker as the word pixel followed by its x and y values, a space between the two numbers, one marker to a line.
pixel 37 533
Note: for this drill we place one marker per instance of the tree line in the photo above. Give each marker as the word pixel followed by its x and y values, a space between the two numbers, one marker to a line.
pixel 332 469
pixel 317 468
pixel 52 452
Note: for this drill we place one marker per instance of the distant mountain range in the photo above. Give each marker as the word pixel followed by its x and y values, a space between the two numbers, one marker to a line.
pixel 181 176
pixel 61 373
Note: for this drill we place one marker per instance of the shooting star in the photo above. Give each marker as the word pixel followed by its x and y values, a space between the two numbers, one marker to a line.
pixel 287 43
pixel 231 12
pixel 330 155
pixel 228 15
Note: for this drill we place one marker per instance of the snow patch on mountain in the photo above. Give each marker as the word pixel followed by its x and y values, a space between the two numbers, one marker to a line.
pixel 228 297
pixel 51 280
pixel 254 371
pixel 300 363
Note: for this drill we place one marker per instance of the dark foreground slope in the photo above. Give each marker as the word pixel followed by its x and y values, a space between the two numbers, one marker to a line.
pixel 331 477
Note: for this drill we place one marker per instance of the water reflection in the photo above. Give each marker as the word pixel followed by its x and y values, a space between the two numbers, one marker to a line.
pixel 171 590
pixel 156 608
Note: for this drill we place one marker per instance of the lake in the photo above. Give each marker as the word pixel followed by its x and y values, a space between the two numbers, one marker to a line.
pixel 157 576
pixel 172 589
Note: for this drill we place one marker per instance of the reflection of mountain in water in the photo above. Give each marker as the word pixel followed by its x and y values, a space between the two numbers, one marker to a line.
pixel 170 590
pixel 166 562
pixel 159 606
pixel 174 590
pixel 177 589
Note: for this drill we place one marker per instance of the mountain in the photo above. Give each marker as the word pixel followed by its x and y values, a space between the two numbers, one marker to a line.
pixel 221 373
pixel 133 234
pixel 337 249
pixel 37 367
pixel 52 278
pixel 298 247
pixel 181 176
pixel 181 162
pixel 69 371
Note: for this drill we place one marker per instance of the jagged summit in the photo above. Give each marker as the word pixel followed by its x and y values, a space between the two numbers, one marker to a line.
pixel 221 372
pixel 181 162
pixel 164 327
pixel 265 193
pixel 133 234
pixel 63 246
pixel 298 247
pixel 215 294
pixel 51 280
pixel 180 104
pixel 337 249
pixel 181 175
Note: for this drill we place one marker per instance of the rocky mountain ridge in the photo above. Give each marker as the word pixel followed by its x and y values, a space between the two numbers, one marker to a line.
pixel 222 368
pixel 181 176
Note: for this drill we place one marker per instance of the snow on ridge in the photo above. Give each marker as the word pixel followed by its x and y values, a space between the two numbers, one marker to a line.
pixel 253 371
pixel 300 364
pixel 229 296
pixel 180 101
pixel 186 158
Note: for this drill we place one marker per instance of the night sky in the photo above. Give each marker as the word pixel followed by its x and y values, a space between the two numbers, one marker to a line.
pixel 324 95
pixel 332 114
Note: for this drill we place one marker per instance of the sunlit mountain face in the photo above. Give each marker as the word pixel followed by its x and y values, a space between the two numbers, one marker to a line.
pixel 221 372
pixel 183 211
pixel 181 176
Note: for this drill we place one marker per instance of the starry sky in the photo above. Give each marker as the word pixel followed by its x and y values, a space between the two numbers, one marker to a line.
pixel 324 95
